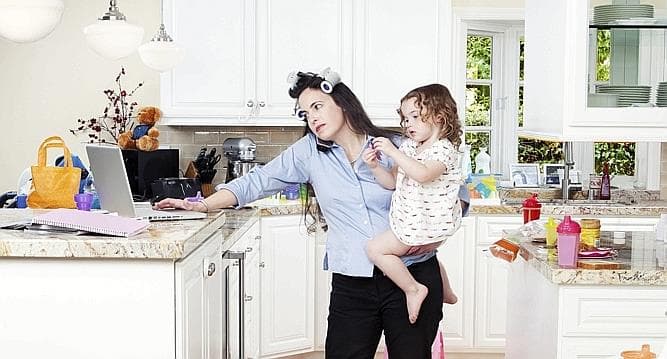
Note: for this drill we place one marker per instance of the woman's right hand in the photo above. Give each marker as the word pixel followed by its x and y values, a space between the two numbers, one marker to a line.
pixel 174 203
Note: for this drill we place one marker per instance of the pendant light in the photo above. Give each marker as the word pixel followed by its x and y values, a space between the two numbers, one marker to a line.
pixel 29 20
pixel 111 36
pixel 161 53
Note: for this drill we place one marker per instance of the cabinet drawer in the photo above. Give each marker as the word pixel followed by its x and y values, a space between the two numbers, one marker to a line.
pixel 598 311
pixel 490 229
pixel 249 242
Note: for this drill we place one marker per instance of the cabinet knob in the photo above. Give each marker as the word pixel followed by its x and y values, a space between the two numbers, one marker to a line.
pixel 250 103
pixel 211 269
pixel 262 265
pixel 262 104
pixel 248 250
pixel 248 298
pixel 258 237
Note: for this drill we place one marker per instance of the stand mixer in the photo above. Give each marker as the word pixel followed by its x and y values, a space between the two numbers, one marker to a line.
pixel 240 153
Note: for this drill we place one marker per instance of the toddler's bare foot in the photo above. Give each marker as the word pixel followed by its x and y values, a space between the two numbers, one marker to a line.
pixel 449 297
pixel 414 301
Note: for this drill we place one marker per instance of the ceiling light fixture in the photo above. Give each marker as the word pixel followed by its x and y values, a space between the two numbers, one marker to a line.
pixel 161 53
pixel 111 36
pixel 29 20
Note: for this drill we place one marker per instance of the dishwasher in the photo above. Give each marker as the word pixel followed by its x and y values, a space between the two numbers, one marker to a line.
pixel 233 302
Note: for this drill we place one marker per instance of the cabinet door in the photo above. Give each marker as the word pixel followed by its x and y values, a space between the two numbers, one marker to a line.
pixel 216 77
pixel 300 35
pixel 457 255
pixel 491 280
pixel 190 311
pixel 252 309
pixel 287 286
pixel 213 296
pixel 322 296
pixel 398 45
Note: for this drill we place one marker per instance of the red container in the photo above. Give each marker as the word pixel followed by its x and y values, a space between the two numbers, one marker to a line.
pixel 531 209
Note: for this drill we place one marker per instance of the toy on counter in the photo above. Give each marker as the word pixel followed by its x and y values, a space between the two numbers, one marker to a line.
pixel 144 136
pixel 483 187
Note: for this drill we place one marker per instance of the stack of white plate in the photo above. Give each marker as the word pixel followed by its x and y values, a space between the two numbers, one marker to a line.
pixel 661 98
pixel 627 94
pixel 604 14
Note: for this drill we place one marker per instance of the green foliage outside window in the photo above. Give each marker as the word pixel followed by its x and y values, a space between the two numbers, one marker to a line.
pixel 478 59
pixel 619 155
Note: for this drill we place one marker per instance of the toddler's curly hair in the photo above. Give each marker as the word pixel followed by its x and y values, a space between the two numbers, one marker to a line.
pixel 435 101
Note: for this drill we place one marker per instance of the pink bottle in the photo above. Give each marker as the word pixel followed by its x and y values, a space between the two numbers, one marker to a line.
pixel 569 232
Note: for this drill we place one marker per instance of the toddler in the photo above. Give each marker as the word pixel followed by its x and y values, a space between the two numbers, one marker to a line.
pixel 425 207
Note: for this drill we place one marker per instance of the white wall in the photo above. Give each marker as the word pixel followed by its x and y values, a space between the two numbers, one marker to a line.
pixel 488 3
pixel 45 86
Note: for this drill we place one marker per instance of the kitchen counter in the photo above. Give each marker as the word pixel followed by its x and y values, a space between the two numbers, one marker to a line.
pixel 639 209
pixel 641 259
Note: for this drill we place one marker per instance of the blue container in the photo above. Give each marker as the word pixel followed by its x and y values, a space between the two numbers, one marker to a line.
pixel 291 192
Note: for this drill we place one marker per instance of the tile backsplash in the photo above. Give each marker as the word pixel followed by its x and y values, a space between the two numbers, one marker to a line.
pixel 270 142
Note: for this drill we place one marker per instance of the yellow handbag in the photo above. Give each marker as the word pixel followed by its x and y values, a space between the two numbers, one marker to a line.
pixel 52 186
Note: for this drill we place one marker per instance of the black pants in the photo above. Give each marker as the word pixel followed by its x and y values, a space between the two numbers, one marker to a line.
pixel 361 308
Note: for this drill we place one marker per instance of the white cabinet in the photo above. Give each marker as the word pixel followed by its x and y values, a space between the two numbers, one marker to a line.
pixel 557 85
pixel 287 286
pixel 199 320
pixel 322 293
pixel 250 243
pixel 458 258
pixel 491 283
pixel 238 55
pixel 398 45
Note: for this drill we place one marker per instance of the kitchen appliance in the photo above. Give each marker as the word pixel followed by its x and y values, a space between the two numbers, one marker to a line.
pixel 240 153
pixel 145 167
pixel 233 303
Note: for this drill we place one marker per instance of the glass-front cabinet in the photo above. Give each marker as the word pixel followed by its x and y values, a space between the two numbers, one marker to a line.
pixel 596 70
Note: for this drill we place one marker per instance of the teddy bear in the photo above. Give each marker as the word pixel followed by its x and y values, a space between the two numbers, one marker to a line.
pixel 144 136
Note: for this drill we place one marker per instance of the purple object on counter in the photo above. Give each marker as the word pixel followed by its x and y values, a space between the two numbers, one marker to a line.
pixel 83 201
pixel 196 198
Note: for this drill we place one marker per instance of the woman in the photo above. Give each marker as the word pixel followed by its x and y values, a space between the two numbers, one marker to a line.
pixel 364 302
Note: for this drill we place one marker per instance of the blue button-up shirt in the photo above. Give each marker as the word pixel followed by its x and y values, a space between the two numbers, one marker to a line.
pixel 356 208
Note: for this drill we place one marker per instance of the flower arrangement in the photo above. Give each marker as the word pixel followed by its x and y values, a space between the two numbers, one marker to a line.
pixel 117 116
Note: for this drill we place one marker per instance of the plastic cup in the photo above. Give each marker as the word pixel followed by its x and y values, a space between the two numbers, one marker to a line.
pixel 22 201
pixel 568 250
pixel 84 201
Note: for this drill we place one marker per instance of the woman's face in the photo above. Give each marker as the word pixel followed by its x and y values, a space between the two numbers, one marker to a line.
pixel 324 117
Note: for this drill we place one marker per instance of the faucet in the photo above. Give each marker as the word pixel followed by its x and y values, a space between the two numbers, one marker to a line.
pixel 569 163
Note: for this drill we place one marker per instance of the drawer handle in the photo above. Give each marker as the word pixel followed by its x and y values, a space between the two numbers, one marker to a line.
pixel 248 298
pixel 248 250
pixel 211 269
pixel 262 265
pixel 258 237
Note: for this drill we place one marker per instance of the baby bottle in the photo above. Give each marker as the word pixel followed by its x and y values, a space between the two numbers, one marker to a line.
pixel 483 162
pixel 550 228
pixel 531 209
pixel 569 232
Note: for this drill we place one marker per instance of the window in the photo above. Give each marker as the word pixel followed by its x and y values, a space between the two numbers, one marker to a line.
pixel 493 111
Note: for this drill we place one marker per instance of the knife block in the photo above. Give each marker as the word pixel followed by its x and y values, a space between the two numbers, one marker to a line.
pixel 207 189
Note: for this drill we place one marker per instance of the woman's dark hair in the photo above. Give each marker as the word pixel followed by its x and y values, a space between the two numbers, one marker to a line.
pixel 435 100
pixel 355 117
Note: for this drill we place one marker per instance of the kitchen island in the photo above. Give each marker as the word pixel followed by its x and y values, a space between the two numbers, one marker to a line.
pixel 553 312
pixel 87 296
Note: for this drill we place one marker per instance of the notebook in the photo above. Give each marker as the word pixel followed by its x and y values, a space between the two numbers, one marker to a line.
pixel 92 222
pixel 113 188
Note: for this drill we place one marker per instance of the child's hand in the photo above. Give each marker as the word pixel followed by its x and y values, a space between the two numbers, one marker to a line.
pixel 384 145
pixel 370 157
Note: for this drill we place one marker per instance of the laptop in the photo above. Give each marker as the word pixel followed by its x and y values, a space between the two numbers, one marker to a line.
pixel 113 187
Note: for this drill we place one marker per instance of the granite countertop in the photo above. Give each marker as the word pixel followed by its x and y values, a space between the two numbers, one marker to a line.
pixel 639 209
pixel 163 240
pixel 641 259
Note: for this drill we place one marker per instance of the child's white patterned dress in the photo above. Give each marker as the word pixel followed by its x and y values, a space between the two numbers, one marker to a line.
pixel 429 212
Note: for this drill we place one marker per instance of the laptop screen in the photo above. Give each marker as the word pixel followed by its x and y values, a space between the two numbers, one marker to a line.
pixel 111 183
